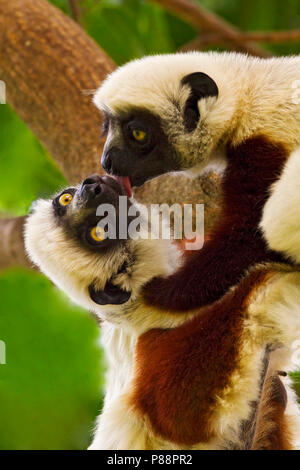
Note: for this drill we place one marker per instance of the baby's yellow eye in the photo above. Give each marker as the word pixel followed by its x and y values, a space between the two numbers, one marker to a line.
pixel 97 234
pixel 139 135
pixel 65 199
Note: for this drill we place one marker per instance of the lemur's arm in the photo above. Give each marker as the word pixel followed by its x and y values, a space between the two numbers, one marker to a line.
pixel 208 274
pixel 237 242
pixel 191 365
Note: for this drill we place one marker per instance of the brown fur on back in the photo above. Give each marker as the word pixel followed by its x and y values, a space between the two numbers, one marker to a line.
pixel 180 372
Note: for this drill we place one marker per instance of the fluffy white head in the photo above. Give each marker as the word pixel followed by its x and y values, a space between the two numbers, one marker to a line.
pixel 255 96
pixel 154 84
pixel 73 268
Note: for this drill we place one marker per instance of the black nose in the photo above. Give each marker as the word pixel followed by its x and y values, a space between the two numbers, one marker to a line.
pixel 111 160
pixel 90 187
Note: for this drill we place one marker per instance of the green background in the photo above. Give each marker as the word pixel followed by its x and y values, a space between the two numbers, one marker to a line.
pixel 52 384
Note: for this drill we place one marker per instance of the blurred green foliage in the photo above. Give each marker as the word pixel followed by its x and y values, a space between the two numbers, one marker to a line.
pixel 51 386
pixel 146 28
pixel 26 170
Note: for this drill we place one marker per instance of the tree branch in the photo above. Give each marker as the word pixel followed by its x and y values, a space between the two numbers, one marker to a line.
pixel 201 18
pixel 75 10
pixel 48 62
pixel 272 36
pixel 12 244
pixel 212 39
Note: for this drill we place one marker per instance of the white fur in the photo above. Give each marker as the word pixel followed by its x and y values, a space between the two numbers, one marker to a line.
pixel 281 217
pixel 275 307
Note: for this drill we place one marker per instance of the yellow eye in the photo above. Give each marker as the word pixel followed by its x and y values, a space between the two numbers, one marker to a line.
pixel 65 199
pixel 97 234
pixel 139 135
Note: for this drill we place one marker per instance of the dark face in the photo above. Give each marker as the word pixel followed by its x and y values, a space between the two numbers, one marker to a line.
pixel 137 147
pixel 76 210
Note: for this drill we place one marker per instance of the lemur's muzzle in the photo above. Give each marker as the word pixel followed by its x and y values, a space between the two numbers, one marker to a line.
pixel 90 188
pixel 98 189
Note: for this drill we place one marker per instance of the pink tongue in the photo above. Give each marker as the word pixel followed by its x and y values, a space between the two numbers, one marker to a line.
pixel 125 183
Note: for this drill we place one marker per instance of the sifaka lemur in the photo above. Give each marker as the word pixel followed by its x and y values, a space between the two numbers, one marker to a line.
pixel 188 112
pixel 190 380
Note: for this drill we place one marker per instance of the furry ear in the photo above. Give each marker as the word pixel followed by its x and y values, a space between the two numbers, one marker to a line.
pixel 202 86
pixel 111 294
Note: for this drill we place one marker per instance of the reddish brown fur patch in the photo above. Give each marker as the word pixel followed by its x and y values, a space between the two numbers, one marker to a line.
pixel 179 372
pixel 272 428
pixel 236 244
